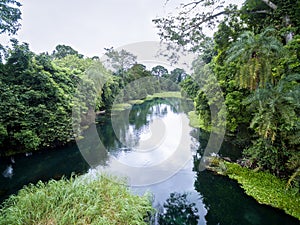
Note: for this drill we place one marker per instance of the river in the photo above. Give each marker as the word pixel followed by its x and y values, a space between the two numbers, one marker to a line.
pixel 155 148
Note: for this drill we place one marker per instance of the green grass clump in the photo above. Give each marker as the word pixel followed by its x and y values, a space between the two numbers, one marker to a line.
pixel 136 102
pixel 167 94
pixel 75 201
pixel 121 106
pixel 266 188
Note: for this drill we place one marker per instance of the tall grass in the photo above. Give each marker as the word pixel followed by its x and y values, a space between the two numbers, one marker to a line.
pixel 75 201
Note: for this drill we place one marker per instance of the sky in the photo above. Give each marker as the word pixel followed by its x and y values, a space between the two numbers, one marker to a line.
pixel 89 26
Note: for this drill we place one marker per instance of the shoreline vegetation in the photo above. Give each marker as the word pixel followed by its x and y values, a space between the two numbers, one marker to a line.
pixel 79 200
pixel 264 187
pixel 127 105
pixel 196 121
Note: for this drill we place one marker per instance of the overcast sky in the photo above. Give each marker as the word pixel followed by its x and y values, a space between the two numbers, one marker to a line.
pixel 90 25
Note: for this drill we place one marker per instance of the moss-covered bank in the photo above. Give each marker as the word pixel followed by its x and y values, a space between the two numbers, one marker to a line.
pixel 263 186
pixel 76 201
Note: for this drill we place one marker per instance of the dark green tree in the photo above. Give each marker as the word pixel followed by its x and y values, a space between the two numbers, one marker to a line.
pixel 62 51
pixel 159 71
pixel 276 121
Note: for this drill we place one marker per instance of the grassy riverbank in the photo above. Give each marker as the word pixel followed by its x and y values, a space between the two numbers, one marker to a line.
pixel 263 186
pixel 75 201
pixel 126 105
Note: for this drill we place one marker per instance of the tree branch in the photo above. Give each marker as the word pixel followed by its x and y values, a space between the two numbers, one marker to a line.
pixel 259 12
pixel 270 4
pixel 195 3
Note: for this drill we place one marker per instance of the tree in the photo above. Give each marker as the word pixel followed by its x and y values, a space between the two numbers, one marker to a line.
pixel 119 61
pixel 159 71
pixel 19 56
pixel 39 100
pixel 189 87
pixel 177 75
pixel 255 56
pixel 73 62
pixel 186 28
pixel 9 16
pixel 135 72
pixel 280 13
pixel 62 51
pixel 276 121
pixel 275 106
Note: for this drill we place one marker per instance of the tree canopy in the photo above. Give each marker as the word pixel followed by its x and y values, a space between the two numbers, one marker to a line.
pixel 254 54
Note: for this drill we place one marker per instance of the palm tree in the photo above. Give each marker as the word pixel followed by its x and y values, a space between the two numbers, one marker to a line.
pixel 255 55
pixel 276 106
pixel 276 120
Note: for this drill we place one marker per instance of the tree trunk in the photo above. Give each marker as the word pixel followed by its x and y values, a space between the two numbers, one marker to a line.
pixel 270 4
pixel 288 36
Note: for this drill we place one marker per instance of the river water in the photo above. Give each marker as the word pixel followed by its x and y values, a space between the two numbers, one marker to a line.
pixel 155 148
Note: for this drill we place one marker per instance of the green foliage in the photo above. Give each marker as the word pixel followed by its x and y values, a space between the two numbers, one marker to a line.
pixel 159 71
pixel 62 51
pixel 236 112
pixel 41 96
pixel 276 107
pixel 137 71
pixel 189 87
pixel 290 64
pixel 119 61
pixel 255 56
pixel 266 16
pixel 9 16
pixel 276 116
pixel 130 103
pixel 177 75
pixel 105 200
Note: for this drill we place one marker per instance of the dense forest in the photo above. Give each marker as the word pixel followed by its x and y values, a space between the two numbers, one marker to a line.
pixel 255 56
pixel 49 99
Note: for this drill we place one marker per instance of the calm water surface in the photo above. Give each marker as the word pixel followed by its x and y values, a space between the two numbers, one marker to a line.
pixel 146 143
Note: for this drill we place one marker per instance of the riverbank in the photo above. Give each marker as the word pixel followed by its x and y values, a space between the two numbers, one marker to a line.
pixel 105 200
pixel 127 105
pixel 264 187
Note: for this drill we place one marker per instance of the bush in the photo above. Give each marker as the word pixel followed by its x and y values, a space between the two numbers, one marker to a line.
pixel 75 201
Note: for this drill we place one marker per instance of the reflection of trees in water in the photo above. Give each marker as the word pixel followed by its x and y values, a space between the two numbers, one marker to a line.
pixel 92 149
pixel 221 199
pixel 178 210
pixel 130 124
pixel 228 149
pixel 227 204
pixel 225 201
